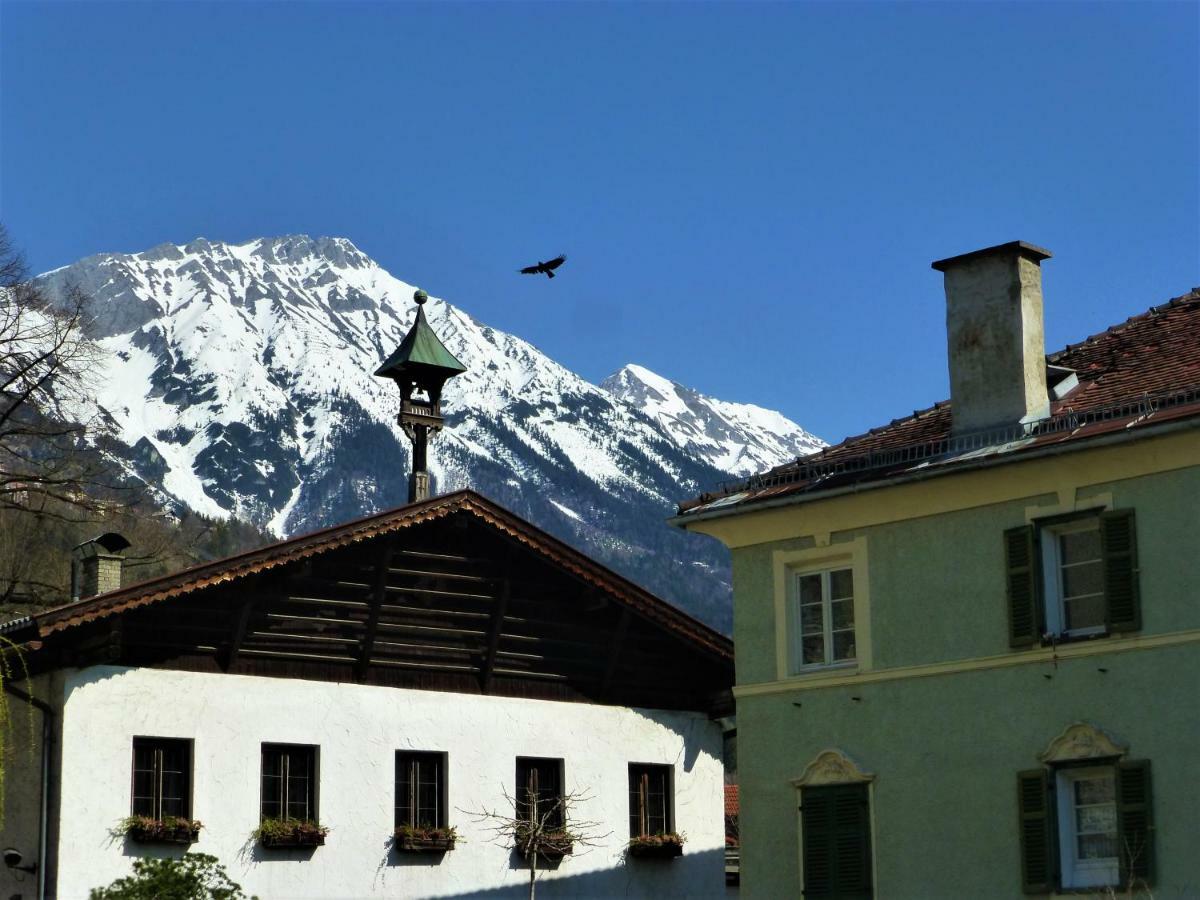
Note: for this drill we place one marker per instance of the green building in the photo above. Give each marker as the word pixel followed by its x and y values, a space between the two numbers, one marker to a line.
pixel 968 642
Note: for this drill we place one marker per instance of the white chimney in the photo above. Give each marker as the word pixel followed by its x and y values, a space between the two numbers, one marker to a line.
pixel 997 349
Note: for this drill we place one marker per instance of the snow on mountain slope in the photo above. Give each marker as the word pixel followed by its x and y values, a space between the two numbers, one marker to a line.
pixel 738 438
pixel 239 378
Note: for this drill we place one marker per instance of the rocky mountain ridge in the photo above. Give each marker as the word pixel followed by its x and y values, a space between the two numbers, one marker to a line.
pixel 238 380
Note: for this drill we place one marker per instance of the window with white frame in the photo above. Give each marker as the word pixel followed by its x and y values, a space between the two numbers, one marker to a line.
pixel 1072 578
pixel 1087 833
pixel 822 620
pixel 1073 569
pixel 1085 825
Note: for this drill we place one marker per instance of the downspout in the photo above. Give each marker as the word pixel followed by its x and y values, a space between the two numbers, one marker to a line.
pixel 43 818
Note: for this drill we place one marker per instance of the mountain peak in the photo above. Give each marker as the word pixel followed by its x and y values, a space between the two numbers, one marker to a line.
pixel 738 438
pixel 238 381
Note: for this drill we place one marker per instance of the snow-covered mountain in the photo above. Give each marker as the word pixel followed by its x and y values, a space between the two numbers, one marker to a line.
pixel 239 379
pixel 738 438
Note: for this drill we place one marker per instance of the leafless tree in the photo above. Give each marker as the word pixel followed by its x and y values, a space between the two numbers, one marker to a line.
pixel 541 828
pixel 46 466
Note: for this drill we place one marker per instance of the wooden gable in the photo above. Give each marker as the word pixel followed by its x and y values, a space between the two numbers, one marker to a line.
pixel 451 594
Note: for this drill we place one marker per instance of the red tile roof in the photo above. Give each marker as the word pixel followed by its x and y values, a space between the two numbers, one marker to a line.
pixel 731 799
pixel 1140 373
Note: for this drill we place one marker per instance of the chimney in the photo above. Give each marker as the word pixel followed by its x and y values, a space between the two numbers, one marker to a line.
pixel 997 349
pixel 96 565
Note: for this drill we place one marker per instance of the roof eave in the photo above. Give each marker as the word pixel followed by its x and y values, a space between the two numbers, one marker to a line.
pixel 684 520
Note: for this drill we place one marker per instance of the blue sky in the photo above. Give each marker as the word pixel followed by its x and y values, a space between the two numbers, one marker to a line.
pixel 750 194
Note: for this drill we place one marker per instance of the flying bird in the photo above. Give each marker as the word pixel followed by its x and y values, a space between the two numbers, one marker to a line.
pixel 545 268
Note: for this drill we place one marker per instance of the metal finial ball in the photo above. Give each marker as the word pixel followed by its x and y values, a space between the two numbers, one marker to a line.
pixel 420 297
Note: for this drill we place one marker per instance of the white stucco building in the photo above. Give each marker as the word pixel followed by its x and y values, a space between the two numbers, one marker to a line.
pixel 415 667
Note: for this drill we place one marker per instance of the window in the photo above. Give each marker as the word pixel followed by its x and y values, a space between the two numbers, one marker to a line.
pixel 162 777
pixel 835 823
pixel 1089 823
pixel 1087 834
pixel 822 621
pixel 420 790
pixel 1072 578
pixel 289 782
pixel 539 790
pixel 1073 573
pixel 649 800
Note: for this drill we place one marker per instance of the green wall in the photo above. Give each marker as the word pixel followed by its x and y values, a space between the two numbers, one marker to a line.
pixel 946 748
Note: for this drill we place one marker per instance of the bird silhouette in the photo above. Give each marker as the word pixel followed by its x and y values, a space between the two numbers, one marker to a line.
pixel 545 268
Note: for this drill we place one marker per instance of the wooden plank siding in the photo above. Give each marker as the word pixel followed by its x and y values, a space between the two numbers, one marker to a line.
pixel 451 605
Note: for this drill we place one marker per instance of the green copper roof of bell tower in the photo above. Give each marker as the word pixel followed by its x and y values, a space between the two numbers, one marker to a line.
pixel 420 347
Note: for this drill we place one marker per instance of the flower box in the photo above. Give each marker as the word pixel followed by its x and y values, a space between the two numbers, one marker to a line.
pixel 170 830
pixel 277 833
pixel 656 846
pixel 553 845
pixel 429 840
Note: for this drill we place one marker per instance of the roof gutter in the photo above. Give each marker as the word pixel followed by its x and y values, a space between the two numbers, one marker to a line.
pixel 685 519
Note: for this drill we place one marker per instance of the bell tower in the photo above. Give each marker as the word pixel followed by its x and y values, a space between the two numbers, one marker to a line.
pixel 421 366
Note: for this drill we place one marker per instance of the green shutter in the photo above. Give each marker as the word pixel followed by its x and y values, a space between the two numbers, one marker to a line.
pixel 816 822
pixel 1036 810
pixel 1024 586
pixel 836 824
pixel 1118 540
pixel 1135 824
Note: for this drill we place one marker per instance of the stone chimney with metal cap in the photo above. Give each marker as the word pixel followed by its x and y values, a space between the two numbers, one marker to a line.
pixel 96 565
pixel 997 349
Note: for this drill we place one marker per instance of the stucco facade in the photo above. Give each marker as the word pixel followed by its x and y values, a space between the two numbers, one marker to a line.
pixel 358 729
pixel 939 713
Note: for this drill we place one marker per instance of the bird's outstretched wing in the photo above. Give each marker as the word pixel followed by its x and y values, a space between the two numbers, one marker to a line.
pixel 556 262
pixel 530 270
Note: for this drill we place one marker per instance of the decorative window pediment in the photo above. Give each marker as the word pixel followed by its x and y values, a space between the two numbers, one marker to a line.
pixel 832 767
pixel 1082 740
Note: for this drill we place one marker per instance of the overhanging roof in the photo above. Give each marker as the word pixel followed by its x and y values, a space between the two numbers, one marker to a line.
pixel 1135 379
pixel 390 593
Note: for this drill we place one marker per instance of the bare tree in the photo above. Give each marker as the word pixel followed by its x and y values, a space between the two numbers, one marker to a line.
pixel 45 464
pixel 541 828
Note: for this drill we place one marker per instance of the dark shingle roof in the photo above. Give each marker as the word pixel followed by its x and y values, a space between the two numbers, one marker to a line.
pixel 1142 372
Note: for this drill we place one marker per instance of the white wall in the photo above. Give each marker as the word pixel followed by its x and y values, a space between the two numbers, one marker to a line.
pixel 358 729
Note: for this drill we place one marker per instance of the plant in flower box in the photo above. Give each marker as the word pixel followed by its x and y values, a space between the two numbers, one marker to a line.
pixel 167 830
pixel 548 843
pixel 290 833
pixel 425 839
pixel 663 845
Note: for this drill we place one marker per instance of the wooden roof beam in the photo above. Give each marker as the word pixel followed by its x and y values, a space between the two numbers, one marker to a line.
pixel 489 662
pixel 378 595
pixel 238 636
pixel 615 655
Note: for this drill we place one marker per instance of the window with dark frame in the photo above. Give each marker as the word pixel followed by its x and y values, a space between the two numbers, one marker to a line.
pixel 162 778
pixel 1072 577
pixel 539 790
pixel 420 790
pixel 649 800
pixel 289 782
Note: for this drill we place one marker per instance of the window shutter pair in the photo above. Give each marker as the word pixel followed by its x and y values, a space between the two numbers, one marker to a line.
pixel 1036 809
pixel 1026 610
pixel 836 824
